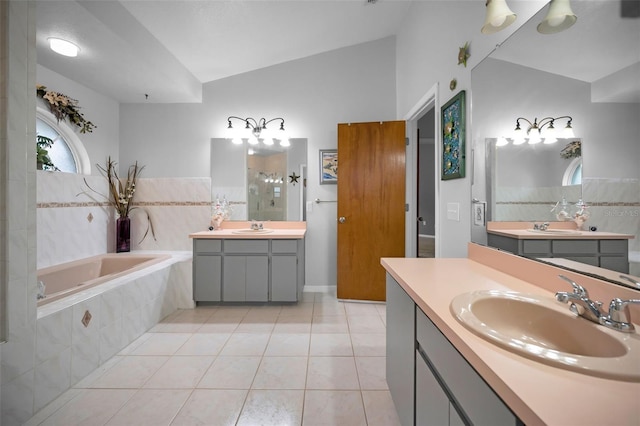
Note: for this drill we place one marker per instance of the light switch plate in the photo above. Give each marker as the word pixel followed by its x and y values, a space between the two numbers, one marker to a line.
pixel 453 211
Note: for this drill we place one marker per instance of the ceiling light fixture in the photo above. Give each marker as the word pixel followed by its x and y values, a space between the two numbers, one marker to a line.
pixel 537 126
pixel 255 130
pixel 499 17
pixel 63 47
pixel 559 18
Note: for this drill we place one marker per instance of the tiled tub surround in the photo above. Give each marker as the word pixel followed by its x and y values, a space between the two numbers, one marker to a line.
pixel 74 223
pixel 120 310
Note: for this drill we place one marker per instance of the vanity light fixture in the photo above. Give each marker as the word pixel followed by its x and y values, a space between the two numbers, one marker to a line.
pixel 499 17
pixel 63 47
pixel 256 130
pixel 536 127
pixel 559 18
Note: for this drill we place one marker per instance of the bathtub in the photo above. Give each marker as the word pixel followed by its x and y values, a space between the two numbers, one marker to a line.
pixel 69 278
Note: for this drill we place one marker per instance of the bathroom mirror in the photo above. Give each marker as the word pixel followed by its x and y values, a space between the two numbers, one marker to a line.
pixel 526 181
pixel 260 182
pixel 588 72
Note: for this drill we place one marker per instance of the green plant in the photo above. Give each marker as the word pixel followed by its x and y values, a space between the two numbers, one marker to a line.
pixel 43 160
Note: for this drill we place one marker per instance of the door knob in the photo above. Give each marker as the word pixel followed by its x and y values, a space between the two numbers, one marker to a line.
pixel 420 219
pixel 342 219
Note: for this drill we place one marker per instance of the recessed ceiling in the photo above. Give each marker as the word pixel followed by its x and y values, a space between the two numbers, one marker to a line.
pixel 167 49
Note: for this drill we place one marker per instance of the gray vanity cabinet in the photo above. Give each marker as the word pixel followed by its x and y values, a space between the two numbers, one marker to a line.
pixel 429 380
pixel 207 266
pixel 400 346
pixel 284 270
pixel 605 253
pixel 246 270
pixel 470 398
pixel 245 273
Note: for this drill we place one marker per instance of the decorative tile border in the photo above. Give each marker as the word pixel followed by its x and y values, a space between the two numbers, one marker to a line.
pixel 595 204
pixel 55 205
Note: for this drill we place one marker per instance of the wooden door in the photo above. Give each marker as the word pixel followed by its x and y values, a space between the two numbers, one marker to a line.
pixel 371 205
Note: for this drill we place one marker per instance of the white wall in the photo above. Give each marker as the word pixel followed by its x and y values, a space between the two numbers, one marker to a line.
pixel 427 54
pixel 313 95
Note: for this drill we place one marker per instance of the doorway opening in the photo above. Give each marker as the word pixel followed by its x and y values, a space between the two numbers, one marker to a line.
pixel 422 177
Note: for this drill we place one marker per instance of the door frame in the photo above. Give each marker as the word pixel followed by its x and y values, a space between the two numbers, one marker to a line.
pixel 429 100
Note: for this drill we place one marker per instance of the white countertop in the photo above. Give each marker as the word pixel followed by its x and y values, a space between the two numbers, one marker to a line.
pixel 537 393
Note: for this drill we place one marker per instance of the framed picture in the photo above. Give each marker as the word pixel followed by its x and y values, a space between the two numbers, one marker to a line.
pixel 453 135
pixel 328 166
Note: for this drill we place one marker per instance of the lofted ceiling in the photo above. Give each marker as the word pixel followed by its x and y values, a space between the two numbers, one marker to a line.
pixel 167 49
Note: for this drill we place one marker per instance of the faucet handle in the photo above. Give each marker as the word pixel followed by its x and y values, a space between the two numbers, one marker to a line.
pixel 619 309
pixel 619 317
pixel 577 288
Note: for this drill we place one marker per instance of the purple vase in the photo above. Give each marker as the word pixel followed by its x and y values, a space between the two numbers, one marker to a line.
pixel 123 234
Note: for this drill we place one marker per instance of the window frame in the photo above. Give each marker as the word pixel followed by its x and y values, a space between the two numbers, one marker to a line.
pixel 78 151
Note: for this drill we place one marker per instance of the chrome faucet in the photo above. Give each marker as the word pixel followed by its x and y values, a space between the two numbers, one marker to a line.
pixel 618 318
pixel 541 227
pixel 631 280
pixel 579 302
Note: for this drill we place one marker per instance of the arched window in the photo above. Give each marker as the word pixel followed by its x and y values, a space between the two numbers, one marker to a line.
pixel 573 173
pixel 67 152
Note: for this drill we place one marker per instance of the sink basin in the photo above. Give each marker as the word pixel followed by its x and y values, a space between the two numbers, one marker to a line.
pixel 555 231
pixel 541 329
pixel 252 231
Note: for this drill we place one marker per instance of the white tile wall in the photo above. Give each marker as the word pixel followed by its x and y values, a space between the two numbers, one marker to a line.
pixel 17 23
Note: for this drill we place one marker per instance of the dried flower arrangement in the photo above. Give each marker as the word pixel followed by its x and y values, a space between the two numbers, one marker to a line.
pixel 121 193
pixel 572 150
pixel 65 108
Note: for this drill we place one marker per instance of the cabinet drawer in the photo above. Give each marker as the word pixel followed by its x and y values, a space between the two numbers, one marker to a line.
pixel 208 246
pixel 284 246
pixel 614 246
pixel 615 263
pixel 575 246
pixel 478 401
pixel 246 246
pixel 536 246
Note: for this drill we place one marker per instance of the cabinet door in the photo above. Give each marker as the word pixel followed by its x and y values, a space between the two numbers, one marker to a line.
pixel 206 278
pixel 257 279
pixel 454 417
pixel 400 349
pixel 432 404
pixel 284 278
pixel 234 279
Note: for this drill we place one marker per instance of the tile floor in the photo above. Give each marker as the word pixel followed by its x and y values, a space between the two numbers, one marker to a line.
pixel 319 362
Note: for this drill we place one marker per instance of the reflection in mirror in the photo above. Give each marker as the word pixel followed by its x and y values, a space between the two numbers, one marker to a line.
pixel 257 180
pixel 588 72
pixel 527 181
